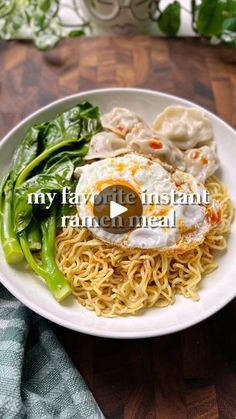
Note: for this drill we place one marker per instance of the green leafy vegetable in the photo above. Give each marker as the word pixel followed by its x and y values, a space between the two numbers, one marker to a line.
pixel 34 164
pixel 66 209
pixel 22 157
pixel 42 183
pixel 10 244
pixel 63 168
pixel 169 20
pixel 44 163
pixel 2 186
pixel 65 127
pixel 57 283
pixel 81 121
pixel 71 154
pixel 77 123
pixel 34 237
pixel 25 153
pixel 55 280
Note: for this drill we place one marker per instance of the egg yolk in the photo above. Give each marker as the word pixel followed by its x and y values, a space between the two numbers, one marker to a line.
pixel 104 183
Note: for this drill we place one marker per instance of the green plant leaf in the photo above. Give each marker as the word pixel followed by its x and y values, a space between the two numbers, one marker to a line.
pixel 210 17
pixel 230 24
pixel 169 20
pixel 45 5
pixel 46 40
pixel 231 7
pixel 39 19
pixel 229 33
pixel 75 33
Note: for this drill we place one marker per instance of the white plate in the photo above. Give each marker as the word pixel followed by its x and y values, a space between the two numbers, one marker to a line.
pixel 216 290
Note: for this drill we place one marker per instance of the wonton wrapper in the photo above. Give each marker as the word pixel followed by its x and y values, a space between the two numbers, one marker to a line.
pixel 121 120
pixel 201 162
pixel 185 127
pixel 106 144
pixel 145 141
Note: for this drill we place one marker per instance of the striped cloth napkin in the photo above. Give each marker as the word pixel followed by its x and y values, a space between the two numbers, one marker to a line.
pixel 37 379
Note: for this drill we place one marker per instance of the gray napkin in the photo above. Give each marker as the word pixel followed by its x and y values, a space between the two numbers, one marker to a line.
pixel 37 379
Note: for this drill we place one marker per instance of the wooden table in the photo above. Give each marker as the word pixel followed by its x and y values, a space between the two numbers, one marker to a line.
pixel 191 374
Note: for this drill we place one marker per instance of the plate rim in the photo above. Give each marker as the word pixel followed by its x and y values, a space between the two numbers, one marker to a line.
pixel 110 333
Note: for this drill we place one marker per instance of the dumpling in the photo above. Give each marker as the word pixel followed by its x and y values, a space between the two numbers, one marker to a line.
pixel 106 144
pixel 185 127
pixel 176 126
pixel 121 120
pixel 143 140
pixel 201 162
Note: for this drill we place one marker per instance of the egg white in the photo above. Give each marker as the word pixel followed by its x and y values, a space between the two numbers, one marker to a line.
pixel 143 174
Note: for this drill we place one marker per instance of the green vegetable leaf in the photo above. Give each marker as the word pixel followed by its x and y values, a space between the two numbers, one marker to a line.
pixel 41 183
pixel 49 152
pixel 33 234
pixel 169 20
pixel 2 186
pixel 79 123
pixel 90 121
pixel 56 282
pixel 63 168
pixel 26 152
pixel 65 127
pixel 77 161
pixel 66 209
pixel 71 154
pixel 9 240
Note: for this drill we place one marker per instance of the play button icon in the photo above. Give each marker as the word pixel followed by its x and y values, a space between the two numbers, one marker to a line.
pixel 118 209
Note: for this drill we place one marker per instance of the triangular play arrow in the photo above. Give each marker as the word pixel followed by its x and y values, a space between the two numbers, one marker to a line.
pixel 116 209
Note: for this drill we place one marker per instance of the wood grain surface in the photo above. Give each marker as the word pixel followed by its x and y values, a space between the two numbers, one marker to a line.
pixel 191 374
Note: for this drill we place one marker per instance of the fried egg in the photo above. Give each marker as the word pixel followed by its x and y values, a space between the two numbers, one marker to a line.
pixel 144 175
